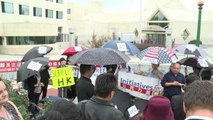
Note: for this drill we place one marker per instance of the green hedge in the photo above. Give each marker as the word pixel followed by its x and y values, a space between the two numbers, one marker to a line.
pixel 21 101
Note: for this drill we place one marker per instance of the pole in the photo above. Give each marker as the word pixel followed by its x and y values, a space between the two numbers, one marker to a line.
pixel 199 24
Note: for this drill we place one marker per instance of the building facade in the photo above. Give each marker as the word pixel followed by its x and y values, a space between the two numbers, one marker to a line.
pixel 28 23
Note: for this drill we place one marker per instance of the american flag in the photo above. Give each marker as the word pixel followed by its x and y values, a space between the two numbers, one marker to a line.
pixel 157 55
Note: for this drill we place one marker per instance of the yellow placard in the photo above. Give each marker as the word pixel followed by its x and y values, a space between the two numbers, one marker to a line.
pixel 62 77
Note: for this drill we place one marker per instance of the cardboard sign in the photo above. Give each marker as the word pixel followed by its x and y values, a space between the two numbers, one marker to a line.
pixel 137 85
pixel 122 47
pixel 42 50
pixel 34 66
pixel 62 77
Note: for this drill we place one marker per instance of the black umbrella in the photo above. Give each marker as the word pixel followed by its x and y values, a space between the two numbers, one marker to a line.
pixel 35 52
pixel 99 56
pixel 195 62
pixel 31 67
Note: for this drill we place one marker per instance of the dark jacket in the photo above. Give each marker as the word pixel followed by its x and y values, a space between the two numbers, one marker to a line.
pixel 98 109
pixel 84 89
pixel 177 107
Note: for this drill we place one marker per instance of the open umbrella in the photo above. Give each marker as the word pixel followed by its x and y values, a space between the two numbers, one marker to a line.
pixel 157 55
pixel 123 46
pixel 31 67
pixel 73 50
pixel 195 62
pixel 99 56
pixel 35 52
pixel 190 49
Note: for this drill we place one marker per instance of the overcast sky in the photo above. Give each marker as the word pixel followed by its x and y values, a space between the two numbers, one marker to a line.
pixel 134 5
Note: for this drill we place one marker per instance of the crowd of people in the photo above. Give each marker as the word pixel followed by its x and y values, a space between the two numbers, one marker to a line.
pixel 185 97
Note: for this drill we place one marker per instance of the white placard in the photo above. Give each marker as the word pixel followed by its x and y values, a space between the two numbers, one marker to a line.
pixel 192 48
pixel 139 86
pixel 77 48
pixel 132 111
pixel 98 71
pixel 122 47
pixel 34 66
pixel 202 62
pixel 42 50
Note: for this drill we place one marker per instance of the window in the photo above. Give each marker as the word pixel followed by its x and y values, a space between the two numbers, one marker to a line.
pixel 7 7
pixel 1 40
pixel 159 17
pixel 50 0
pixel 23 10
pixel 68 11
pixel 37 11
pixel 49 13
pixel 59 14
pixel 59 1
pixel 31 40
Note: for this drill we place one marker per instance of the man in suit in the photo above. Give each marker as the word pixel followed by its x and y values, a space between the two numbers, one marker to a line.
pixel 177 100
pixel 198 101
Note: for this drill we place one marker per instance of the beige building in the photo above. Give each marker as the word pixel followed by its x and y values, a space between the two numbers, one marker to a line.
pixel 27 23
pixel 176 23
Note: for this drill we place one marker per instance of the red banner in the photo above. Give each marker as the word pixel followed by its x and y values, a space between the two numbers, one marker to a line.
pixel 137 89
pixel 12 66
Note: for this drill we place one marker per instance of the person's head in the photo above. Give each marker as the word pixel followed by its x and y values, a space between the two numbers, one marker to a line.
pixel 62 61
pixel 155 66
pixel 63 110
pixel 175 68
pixel 206 74
pixel 87 70
pixel 191 78
pixel 123 65
pixel 198 96
pixel 196 70
pixel 158 108
pixel 105 85
pixel 3 93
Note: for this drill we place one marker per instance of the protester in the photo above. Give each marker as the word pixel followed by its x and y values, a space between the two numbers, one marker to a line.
pixel 173 81
pixel 177 100
pixel 62 110
pixel 198 101
pixel 38 88
pixel 155 73
pixel 206 74
pixel 84 86
pixel 100 107
pixel 196 71
pixel 125 68
pixel 45 78
pixel 8 111
pixel 62 92
pixel 110 68
pixel 29 86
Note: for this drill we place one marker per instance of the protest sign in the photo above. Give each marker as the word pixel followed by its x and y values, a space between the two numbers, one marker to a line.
pixel 62 77
pixel 98 71
pixel 137 85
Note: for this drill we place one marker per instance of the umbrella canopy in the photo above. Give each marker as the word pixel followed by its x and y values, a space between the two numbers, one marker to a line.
pixel 190 49
pixel 157 55
pixel 99 56
pixel 35 52
pixel 195 62
pixel 31 67
pixel 123 46
pixel 73 50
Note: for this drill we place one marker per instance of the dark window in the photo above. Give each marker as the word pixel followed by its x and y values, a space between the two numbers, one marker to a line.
pixel 7 7
pixel 31 40
pixel 37 11
pixel 59 1
pixel 50 0
pixel 68 11
pixel 159 17
pixel 59 14
pixel 1 40
pixel 23 10
pixel 49 13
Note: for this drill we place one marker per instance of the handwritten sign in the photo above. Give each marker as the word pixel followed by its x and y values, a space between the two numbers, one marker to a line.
pixel 42 50
pixel 137 85
pixel 132 111
pixel 62 77
pixel 122 47
pixel 34 66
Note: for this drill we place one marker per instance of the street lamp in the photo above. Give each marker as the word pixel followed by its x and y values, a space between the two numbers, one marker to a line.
pixel 200 4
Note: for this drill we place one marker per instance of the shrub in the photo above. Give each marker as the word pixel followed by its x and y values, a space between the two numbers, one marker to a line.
pixel 98 42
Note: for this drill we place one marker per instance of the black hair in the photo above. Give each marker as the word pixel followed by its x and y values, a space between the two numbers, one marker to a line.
pixel 63 110
pixel 105 84
pixel 191 78
pixel 84 68
pixel 62 59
